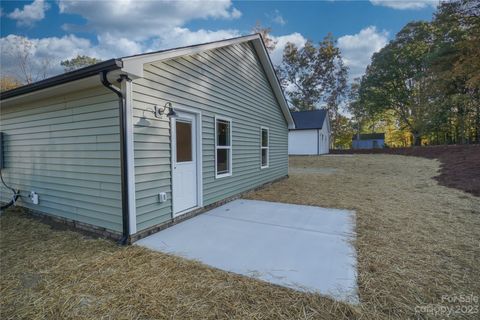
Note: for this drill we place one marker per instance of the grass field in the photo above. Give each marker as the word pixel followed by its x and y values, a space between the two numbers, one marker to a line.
pixel 417 241
pixel 459 164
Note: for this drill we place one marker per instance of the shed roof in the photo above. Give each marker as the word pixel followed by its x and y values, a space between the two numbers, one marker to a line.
pixel 370 136
pixel 309 119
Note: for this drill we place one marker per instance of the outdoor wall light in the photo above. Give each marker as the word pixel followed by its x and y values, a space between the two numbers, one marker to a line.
pixel 159 110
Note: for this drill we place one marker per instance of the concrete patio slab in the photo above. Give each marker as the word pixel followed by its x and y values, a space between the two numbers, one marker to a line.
pixel 302 247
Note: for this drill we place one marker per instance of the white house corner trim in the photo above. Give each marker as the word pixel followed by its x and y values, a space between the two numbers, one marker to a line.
pixel 132 208
pixel 200 159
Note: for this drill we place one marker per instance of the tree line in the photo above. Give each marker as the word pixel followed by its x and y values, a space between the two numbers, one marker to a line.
pixel 424 86
pixel 314 76
pixel 27 69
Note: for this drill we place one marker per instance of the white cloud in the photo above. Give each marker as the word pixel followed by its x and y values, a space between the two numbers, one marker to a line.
pixel 277 18
pixel 141 20
pixel 179 37
pixel 277 54
pixel 56 49
pixel 235 14
pixel 52 50
pixel 405 4
pixel 110 46
pixel 40 52
pixel 127 28
pixel 358 49
pixel 122 28
pixel 30 13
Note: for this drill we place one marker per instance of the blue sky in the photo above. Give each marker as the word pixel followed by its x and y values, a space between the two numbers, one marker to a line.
pixel 105 29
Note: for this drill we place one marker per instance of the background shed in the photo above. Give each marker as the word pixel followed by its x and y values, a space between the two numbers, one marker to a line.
pixel 368 141
pixel 311 135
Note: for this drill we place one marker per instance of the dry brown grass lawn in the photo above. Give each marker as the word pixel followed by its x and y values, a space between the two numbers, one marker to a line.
pixel 416 242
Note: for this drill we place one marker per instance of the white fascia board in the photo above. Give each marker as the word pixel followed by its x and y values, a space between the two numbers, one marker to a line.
pixel 272 78
pixel 61 89
pixel 134 65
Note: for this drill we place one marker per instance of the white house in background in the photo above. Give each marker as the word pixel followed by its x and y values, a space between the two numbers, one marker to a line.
pixel 311 134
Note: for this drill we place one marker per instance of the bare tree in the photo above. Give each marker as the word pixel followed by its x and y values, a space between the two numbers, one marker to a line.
pixel 28 71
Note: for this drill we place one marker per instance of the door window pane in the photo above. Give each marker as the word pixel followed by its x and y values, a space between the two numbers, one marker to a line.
pixel 222 161
pixel 223 133
pixel 184 141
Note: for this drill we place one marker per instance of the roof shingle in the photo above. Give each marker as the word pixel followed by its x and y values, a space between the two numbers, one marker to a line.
pixel 370 136
pixel 309 119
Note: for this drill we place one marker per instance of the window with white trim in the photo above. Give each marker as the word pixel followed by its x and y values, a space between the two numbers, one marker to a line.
pixel 223 147
pixel 264 147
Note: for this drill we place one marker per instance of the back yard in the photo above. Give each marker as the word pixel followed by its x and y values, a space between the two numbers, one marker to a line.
pixel 459 164
pixel 417 245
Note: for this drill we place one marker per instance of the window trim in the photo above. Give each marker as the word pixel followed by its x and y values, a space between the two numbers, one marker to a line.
pixel 230 152
pixel 267 147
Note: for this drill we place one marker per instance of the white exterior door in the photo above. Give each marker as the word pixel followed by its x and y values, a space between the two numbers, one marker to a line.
pixel 184 163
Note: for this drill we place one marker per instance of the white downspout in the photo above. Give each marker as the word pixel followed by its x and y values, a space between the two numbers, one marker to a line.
pixel 127 93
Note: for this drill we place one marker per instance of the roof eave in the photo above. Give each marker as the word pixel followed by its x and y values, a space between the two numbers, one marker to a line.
pixel 273 79
pixel 133 65
pixel 108 65
pixel 316 128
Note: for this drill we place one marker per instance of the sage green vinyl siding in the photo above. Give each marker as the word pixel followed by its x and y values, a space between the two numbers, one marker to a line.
pixel 228 82
pixel 66 149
